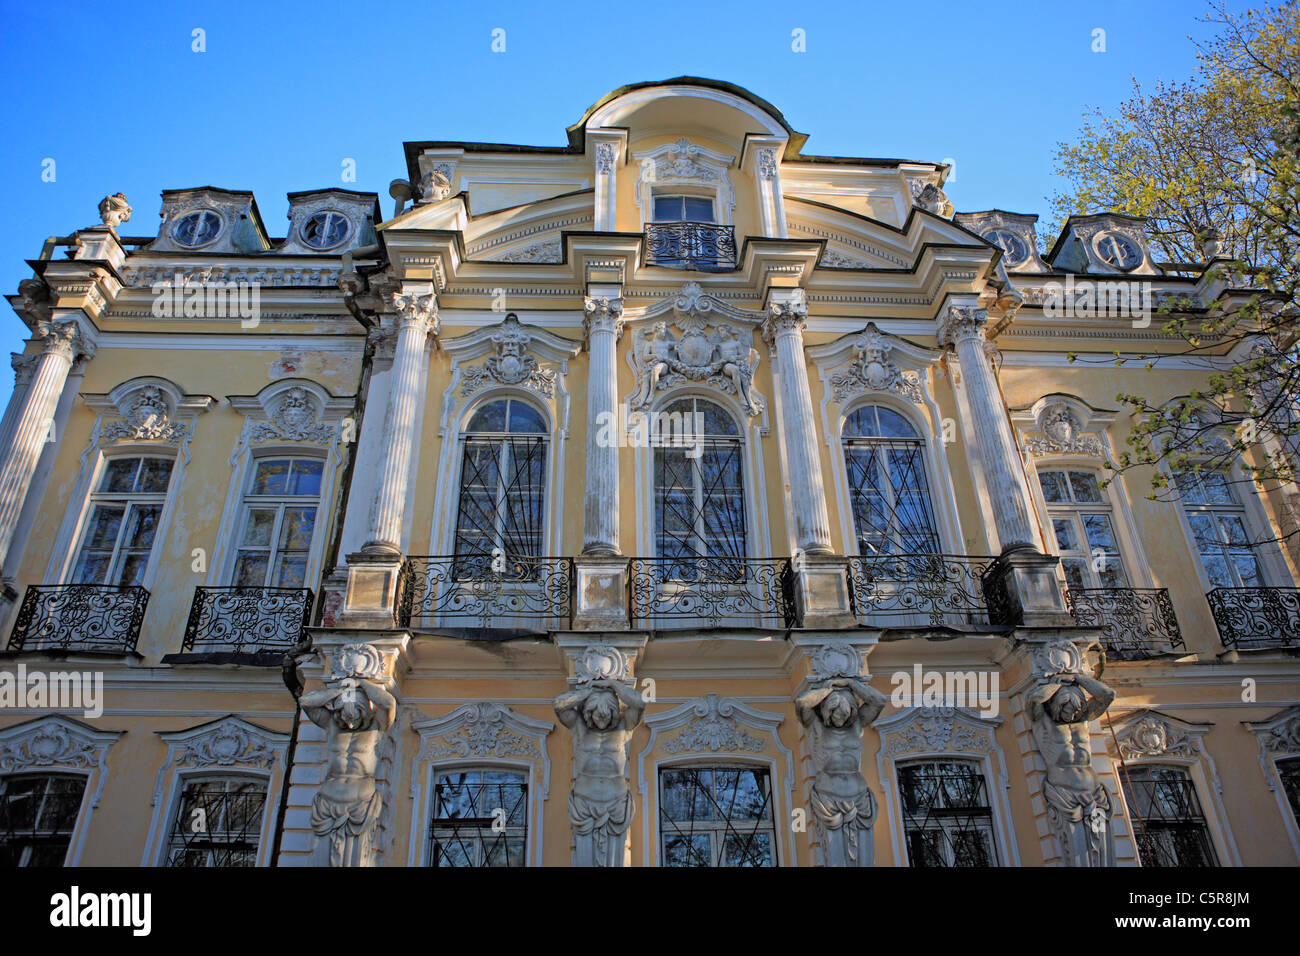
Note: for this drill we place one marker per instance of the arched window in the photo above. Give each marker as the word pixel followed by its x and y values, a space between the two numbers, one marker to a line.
pixel 716 816
pixel 502 484
pixel 888 492
pixel 218 822
pixel 700 490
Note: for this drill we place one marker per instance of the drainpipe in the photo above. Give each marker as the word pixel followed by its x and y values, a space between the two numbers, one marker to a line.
pixel 292 680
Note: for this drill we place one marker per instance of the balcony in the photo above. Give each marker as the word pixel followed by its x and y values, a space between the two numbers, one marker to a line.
pixel 696 246
pixel 98 618
pixel 531 593
pixel 246 620
pixel 1254 618
pixel 920 590
pixel 699 592
pixel 1136 623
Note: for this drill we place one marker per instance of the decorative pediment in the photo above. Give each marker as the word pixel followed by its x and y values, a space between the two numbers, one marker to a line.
pixel 713 724
pixel 1148 733
pixel 228 743
pixel 1279 735
pixel 291 410
pixel 925 731
pixel 146 409
pixel 57 743
pixel 683 163
pixel 510 363
pixel 1062 425
pixel 481 730
pixel 868 362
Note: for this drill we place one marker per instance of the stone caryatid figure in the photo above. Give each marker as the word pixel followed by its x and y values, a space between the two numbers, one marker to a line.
pixel 835 712
pixel 601 714
pixel 1061 705
pixel 355 709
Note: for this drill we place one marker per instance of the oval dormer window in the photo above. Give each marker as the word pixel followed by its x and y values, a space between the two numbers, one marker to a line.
pixel 1012 246
pixel 197 228
pixel 325 230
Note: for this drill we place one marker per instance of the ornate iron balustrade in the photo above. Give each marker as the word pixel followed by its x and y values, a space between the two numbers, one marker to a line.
pixel 486 591
pixel 917 590
pixel 1136 623
pixel 247 619
pixel 80 617
pixel 1256 617
pixel 710 592
pixel 698 246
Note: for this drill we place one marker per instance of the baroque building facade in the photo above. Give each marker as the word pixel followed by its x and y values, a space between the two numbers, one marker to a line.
pixel 669 497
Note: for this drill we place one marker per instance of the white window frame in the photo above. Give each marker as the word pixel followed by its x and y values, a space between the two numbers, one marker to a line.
pixel 980 767
pixel 1273 568
pixel 724 763
pixel 281 502
pixel 531 818
pixel 1075 510
pixel 129 499
pixel 170 820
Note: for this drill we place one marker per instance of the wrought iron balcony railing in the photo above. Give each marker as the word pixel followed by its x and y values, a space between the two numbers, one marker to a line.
pixel 919 590
pixel 247 620
pixel 1256 617
pixel 691 592
pixel 1136 623
pixel 480 590
pixel 80 617
pixel 697 246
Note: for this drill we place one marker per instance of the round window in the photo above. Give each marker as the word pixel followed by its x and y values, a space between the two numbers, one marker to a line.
pixel 1013 247
pixel 1117 251
pixel 197 228
pixel 325 229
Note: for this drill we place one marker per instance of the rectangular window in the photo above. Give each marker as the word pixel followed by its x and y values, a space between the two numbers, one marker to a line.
pixel 279 520
pixel 124 513
pixel 1167 817
pixel 716 816
pixel 218 823
pixel 683 209
pixel 946 816
pixel 480 818
pixel 1219 529
pixel 1083 530
pixel 38 813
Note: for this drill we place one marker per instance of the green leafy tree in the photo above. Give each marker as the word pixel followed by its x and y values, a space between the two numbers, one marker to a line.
pixel 1211 163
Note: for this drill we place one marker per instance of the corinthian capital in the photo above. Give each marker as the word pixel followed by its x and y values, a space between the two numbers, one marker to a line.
pixel 417 311
pixel 784 318
pixel 602 314
pixel 962 322
pixel 63 338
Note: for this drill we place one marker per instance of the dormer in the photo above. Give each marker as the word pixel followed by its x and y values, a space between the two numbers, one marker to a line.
pixel 1012 232
pixel 209 219
pixel 330 221
pixel 1103 244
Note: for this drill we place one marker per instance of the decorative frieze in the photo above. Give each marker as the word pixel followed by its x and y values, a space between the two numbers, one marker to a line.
pixel 715 356
pixel 511 364
pixel 1062 433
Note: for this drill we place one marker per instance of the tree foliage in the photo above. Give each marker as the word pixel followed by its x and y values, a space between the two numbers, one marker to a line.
pixel 1211 163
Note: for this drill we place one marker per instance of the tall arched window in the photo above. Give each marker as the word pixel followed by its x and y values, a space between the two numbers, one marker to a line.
pixel 888 492
pixel 502 484
pixel 700 490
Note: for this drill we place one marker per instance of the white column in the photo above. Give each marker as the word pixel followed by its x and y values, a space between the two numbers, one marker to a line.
pixel 963 328
pixel 30 428
pixel 417 317
pixel 784 327
pixel 603 326
pixel 24 367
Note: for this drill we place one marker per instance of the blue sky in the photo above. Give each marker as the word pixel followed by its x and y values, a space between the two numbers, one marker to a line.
pixel 285 92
